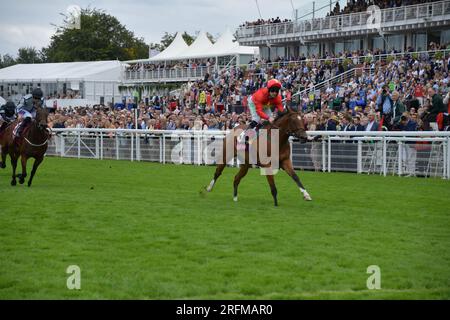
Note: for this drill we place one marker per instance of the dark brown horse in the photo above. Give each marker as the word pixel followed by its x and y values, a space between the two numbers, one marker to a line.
pixel 32 144
pixel 289 124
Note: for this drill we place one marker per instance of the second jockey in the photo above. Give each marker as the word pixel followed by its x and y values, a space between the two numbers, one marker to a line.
pixel 26 110
pixel 261 104
pixel 7 114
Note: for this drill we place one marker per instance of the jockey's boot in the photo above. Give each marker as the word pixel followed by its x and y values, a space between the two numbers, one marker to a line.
pixel 21 127
pixel 252 125
pixel 256 128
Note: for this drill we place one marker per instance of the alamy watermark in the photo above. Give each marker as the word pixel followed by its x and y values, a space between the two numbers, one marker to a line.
pixel 74 280
pixel 374 280
pixel 374 19
pixel 261 151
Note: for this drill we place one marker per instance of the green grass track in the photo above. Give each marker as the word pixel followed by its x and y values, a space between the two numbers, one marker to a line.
pixel 145 231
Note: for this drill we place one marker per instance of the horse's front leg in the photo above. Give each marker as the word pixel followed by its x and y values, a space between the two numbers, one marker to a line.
pixel 287 166
pixel 4 153
pixel 36 164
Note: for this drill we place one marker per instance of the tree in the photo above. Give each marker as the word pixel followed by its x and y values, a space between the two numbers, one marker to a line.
pixel 188 38
pixel 6 61
pixel 29 55
pixel 166 40
pixel 210 37
pixel 100 37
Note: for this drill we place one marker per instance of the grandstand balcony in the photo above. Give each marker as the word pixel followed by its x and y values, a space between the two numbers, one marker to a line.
pixel 393 20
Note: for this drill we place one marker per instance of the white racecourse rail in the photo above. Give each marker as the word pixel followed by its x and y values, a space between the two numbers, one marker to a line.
pixel 385 153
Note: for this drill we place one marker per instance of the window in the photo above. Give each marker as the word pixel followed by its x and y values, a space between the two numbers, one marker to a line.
pixel 445 37
pixel 396 42
pixel 420 41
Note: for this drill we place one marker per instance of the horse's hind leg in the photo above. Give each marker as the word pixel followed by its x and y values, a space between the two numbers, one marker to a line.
pixel 217 174
pixel 36 164
pixel 23 175
pixel 237 179
pixel 14 159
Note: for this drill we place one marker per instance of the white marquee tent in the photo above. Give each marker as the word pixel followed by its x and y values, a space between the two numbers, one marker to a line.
pixel 202 48
pixel 93 80
pixel 44 72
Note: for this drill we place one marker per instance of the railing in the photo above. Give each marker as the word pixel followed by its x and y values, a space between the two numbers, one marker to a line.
pixel 340 78
pixel 168 74
pixel 385 153
pixel 354 20
pixel 184 74
pixel 355 59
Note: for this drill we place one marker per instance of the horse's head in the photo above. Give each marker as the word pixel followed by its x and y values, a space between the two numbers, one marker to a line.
pixel 296 125
pixel 42 117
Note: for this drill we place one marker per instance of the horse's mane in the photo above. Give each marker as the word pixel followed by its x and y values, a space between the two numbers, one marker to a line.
pixel 279 118
pixel 282 115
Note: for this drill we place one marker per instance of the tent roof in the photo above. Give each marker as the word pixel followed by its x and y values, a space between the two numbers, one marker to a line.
pixel 53 71
pixel 201 48
pixel 198 48
pixel 225 43
pixel 177 46
pixel 226 46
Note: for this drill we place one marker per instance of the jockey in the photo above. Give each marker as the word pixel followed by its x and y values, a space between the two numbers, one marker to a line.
pixel 26 109
pixel 7 114
pixel 261 103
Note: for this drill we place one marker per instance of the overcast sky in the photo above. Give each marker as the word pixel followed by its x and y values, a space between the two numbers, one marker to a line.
pixel 28 23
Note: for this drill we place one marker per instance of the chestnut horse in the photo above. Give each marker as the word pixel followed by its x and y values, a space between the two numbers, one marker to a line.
pixel 289 124
pixel 32 144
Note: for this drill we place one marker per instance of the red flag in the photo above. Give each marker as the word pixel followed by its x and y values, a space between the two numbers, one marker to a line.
pixel 380 127
pixel 440 120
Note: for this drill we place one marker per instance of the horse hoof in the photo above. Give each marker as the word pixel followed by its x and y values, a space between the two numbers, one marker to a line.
pixel 235 199
pixel 29 184
pixel 13 183
pixel 307 197
pixel 22 181
pixel 2 165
